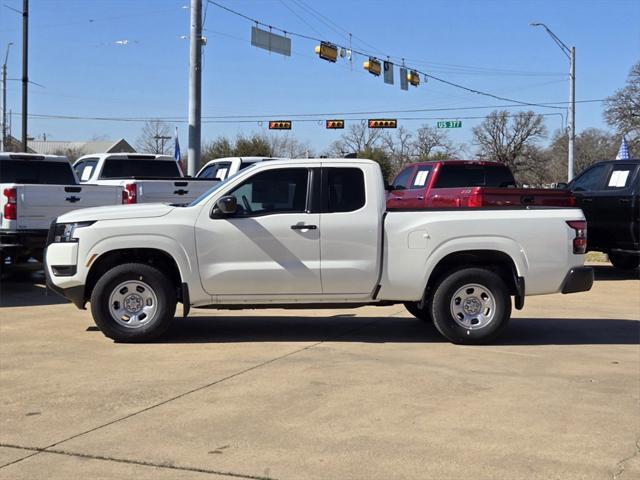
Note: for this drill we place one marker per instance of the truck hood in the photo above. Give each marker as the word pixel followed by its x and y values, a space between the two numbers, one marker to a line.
pixel 117 212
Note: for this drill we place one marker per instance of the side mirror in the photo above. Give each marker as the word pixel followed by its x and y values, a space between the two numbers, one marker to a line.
pixel 388 187
pixel 562 185
pixel 225 206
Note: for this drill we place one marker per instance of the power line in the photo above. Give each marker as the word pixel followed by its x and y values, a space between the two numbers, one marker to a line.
pixel 235 120
pixel 320 115
pixel 367 55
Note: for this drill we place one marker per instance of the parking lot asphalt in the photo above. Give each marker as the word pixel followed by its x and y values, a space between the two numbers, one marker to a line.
pixel 369 393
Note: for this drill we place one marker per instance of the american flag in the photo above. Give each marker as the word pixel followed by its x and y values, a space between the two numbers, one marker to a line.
pixel 176 148
pixel 623 153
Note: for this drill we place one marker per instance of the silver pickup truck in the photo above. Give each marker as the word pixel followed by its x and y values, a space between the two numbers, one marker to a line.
pixel 314 234
pixel 143 178
pixel 35 190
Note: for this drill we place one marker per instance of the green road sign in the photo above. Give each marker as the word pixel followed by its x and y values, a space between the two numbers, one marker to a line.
pixel 450 124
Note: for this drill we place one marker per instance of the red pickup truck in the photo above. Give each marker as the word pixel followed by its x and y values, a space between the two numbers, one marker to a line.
pixel 461 183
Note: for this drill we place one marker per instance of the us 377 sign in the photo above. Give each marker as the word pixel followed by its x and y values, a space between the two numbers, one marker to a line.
pixel 450 124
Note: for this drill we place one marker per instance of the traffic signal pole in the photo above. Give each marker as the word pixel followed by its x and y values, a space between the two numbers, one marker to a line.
pixel 195 88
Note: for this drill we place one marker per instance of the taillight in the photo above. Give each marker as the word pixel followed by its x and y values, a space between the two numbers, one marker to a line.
pixel 580 240
pixel 475 199
pixel 130 193
pixel 11 207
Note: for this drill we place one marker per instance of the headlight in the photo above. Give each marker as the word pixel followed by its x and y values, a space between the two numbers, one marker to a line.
pixel 64 231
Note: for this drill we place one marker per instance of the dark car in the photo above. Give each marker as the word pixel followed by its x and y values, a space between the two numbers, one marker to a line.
pixel 609 194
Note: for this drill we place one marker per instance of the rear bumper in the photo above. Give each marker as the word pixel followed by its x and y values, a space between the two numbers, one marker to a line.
pixel 25 241
pixel 579 279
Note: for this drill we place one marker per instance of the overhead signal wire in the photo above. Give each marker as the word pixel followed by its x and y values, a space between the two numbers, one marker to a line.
pixel 367 55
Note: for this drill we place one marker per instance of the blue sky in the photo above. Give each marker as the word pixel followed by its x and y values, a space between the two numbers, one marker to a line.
pixel 485 44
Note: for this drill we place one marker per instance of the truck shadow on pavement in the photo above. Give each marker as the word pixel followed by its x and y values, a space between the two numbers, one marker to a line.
pixel 521 331
pixel 26 288
pixel 607 272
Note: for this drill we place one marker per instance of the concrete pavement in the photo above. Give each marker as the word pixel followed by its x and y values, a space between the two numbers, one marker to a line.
pixel 365 393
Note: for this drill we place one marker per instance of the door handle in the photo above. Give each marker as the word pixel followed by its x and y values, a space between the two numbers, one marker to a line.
pixel 624 200
pixel 587 200
pixel 398 198
pixel 420 197
pixel 304 227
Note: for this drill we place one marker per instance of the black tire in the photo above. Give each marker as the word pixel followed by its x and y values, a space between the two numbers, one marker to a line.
pixel 443 299
pixel 624 261
pixel 423 314
pixel 159 286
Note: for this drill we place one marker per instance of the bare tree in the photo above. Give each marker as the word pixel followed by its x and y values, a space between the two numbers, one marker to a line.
pixel 398 147
pixel 432 142
pixel 622 110
pixel 287 146
pixel 509 139
pixel 592 145
pixel 155 137
pixel 357 139
pixel 71 153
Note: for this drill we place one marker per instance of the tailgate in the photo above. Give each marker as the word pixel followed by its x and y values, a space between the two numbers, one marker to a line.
pixel 39 205
pixel 527 196
pixel 171 191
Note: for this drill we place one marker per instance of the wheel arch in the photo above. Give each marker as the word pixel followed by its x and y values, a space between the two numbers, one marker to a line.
pixel 496 261
pixel 154 257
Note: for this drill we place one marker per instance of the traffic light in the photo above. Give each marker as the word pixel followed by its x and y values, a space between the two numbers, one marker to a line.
pixel 383 123
pixel 414 78
pixel 280 125
pixel 334 124
pixel 327 51
pixel 373 66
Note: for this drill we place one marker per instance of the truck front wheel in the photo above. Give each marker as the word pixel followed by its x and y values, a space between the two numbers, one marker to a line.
pixel 471 306
pixel 133 302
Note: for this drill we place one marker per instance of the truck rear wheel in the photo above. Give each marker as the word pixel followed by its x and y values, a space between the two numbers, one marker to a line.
pixel 133 302
pixel 624 261
pixel 471 306
pixel 423 314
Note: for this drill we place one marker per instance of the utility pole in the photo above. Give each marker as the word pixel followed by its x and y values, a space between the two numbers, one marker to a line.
pixel 572 113
pixel 162 139
pixel 25 69
pixel 195 87
pixel 4 99
pixel 571 55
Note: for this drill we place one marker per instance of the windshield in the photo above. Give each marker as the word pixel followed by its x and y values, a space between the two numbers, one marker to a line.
pixel 208 192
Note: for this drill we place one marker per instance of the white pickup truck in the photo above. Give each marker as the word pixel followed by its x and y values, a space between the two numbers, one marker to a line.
pixel 223 168
pixel 313 233
pixel 143 178
pixel 35 190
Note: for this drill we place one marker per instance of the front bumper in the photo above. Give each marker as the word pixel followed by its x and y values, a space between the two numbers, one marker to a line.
pixel 73 294
pixel 579 279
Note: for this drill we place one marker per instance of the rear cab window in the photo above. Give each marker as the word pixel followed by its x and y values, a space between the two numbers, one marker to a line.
pixel 453 176
pixel 124 167
pixel 38 172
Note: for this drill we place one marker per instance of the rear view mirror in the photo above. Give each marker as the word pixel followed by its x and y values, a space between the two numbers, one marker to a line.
pixel 227 205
